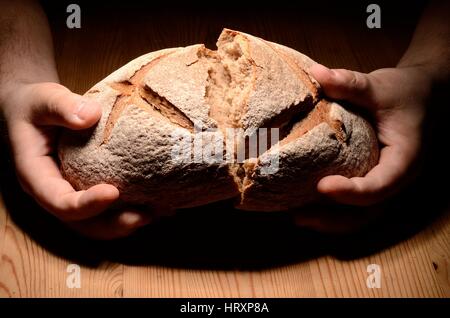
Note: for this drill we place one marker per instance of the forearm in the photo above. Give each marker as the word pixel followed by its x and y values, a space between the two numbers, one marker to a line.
pixel 430 48
pixel 26 50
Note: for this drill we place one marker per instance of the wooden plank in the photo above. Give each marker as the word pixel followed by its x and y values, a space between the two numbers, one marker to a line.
pixel 4 291
pixel 286 281
pixel 29 270
pixel 439 252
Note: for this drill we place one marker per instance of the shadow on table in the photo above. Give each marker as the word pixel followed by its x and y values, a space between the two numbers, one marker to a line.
pixel 217 236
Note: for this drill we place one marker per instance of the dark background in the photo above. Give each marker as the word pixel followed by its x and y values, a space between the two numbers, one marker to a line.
pixel 114 32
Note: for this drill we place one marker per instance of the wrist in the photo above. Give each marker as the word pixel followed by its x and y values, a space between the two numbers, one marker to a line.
pixel 27 74
pixel 8 94
pixel 435 72
pixel 12 93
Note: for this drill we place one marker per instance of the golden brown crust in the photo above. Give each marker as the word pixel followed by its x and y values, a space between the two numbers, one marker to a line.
pixel 247 83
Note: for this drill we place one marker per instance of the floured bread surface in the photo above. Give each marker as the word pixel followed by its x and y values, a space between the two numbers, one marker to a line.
pixel 166 101
pixel 330 140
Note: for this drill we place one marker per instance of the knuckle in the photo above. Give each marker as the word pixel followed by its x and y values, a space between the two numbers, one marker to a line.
pixel 53 97
pixel 368 191
pixel 57 101
pixel 359 81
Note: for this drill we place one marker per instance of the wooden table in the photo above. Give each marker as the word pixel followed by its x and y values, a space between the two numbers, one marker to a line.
pixel 215 251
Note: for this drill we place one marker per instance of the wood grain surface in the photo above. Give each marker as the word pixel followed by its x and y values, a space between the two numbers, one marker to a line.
pixel 215 251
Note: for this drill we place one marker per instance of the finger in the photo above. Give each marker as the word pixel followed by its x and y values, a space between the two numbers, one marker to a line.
pixel 378 184
pixel 112 226
pixel 55 105
pixel 341 84
pixel 42 179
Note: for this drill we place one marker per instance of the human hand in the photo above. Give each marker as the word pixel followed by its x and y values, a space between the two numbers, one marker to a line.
pixel 396 99
pixel 34 113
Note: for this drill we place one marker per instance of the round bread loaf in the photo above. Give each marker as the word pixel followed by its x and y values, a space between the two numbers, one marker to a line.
pixel 184 127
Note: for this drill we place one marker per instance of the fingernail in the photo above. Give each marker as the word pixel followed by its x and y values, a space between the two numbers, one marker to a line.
pixel 85 109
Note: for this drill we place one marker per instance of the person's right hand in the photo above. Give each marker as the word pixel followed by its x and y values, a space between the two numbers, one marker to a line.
pixel 34 113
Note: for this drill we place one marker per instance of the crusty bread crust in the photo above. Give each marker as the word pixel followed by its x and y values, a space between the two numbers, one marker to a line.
pixel 248 83
pixel 343 144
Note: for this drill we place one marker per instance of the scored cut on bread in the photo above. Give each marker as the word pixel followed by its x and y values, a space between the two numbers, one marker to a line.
pixel 197 93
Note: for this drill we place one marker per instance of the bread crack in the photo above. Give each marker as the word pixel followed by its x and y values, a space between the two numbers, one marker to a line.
pixel 319 114
pixel 135 92
pixel 231 77
pixel 166 108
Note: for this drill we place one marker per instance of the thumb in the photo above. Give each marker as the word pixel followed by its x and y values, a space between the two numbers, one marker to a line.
pixel 341 84
pixel 56 105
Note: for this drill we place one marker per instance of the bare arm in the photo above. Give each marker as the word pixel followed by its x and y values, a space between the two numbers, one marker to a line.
pixel 26 49
pixel 430 46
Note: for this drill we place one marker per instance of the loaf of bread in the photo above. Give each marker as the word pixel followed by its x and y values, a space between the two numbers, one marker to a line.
pixel 179 125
